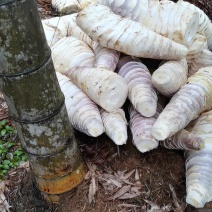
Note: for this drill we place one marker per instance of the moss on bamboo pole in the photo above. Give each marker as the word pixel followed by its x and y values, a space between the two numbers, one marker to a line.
pixel 35 101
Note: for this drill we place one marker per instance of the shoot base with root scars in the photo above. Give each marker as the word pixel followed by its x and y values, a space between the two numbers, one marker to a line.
pixel 160 132
pixel 95 129
pixel 196 197
pixel 120 139
pixel 146 145
pixel 147 109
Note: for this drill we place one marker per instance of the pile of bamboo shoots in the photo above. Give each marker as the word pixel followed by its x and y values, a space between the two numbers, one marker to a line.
pixel 98 54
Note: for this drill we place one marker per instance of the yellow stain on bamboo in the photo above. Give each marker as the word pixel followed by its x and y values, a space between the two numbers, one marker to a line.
pixel 62 184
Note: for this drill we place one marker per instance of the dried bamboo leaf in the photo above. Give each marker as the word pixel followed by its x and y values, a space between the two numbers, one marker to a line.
pixel 126 176
pixel 92 191
pixel 120 192
pixel 88 175
pixel 129 183
pixel 174 197
pixel 136 189
pixel 128 196
pixel 116 183
pixel 137 178
pixel 128 205
pixel 152 204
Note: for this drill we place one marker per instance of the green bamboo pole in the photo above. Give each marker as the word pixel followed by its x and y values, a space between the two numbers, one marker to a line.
pixel 35 101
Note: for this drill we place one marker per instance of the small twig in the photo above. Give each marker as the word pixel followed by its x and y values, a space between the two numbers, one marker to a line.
pixel 118 151
pixel 174 196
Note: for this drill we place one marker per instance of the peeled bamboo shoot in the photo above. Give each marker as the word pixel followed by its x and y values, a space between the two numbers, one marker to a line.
pixel 203 59
pixel 187 104
pixel 115 125
pixel 106 58
pixel 82 112
pixel 66 6
pixel 106 88
pixel 59 27
pixel 199 164
pixel 141 91
pixel 160 17
pixel 200 43
pixel 205 25
pixel 184 140
pixel 70 52
pixel 125 35
pixel 170 77
pixel 141 130
pixel 65 26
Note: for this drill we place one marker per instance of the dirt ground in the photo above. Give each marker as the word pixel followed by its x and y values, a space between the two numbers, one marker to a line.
pixel 157 169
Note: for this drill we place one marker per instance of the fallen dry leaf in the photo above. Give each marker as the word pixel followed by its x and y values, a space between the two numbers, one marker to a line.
pixel 108 186
pixel 126 176
pixel 92 191
pixel 152 204
pixel 116 183
pixel 137 178
pixel 128 205
pixel 136 189
pixel 129 196
pixel 120 192
pixel 128 182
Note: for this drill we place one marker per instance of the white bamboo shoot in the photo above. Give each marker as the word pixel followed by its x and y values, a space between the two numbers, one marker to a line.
pixel 203 59
pixel 170 77
pixel 106 88
pixel 200 43
pixel 59 27
pixel 65 26
pixel 115 125
pixel 66 6
pixel 141 91
pixel 106 58
pixel 184 140
pixel 141 130
pixel 187 104
pixel 70 52
pixel 82 112
pixel 205 25
pixel 125 35
pixel 199 164
pixel 163 17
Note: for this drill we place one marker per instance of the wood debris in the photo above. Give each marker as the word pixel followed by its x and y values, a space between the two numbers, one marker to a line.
pixel 4 205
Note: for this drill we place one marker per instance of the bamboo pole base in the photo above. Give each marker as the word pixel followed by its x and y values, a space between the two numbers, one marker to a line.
pixel 52 188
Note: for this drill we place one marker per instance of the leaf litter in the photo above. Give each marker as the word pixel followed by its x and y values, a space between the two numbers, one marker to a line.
pixel 5 185
pixel 4 205
pixel 120 185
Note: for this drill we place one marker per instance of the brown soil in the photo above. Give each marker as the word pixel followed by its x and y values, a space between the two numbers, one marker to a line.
pixel 158 169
